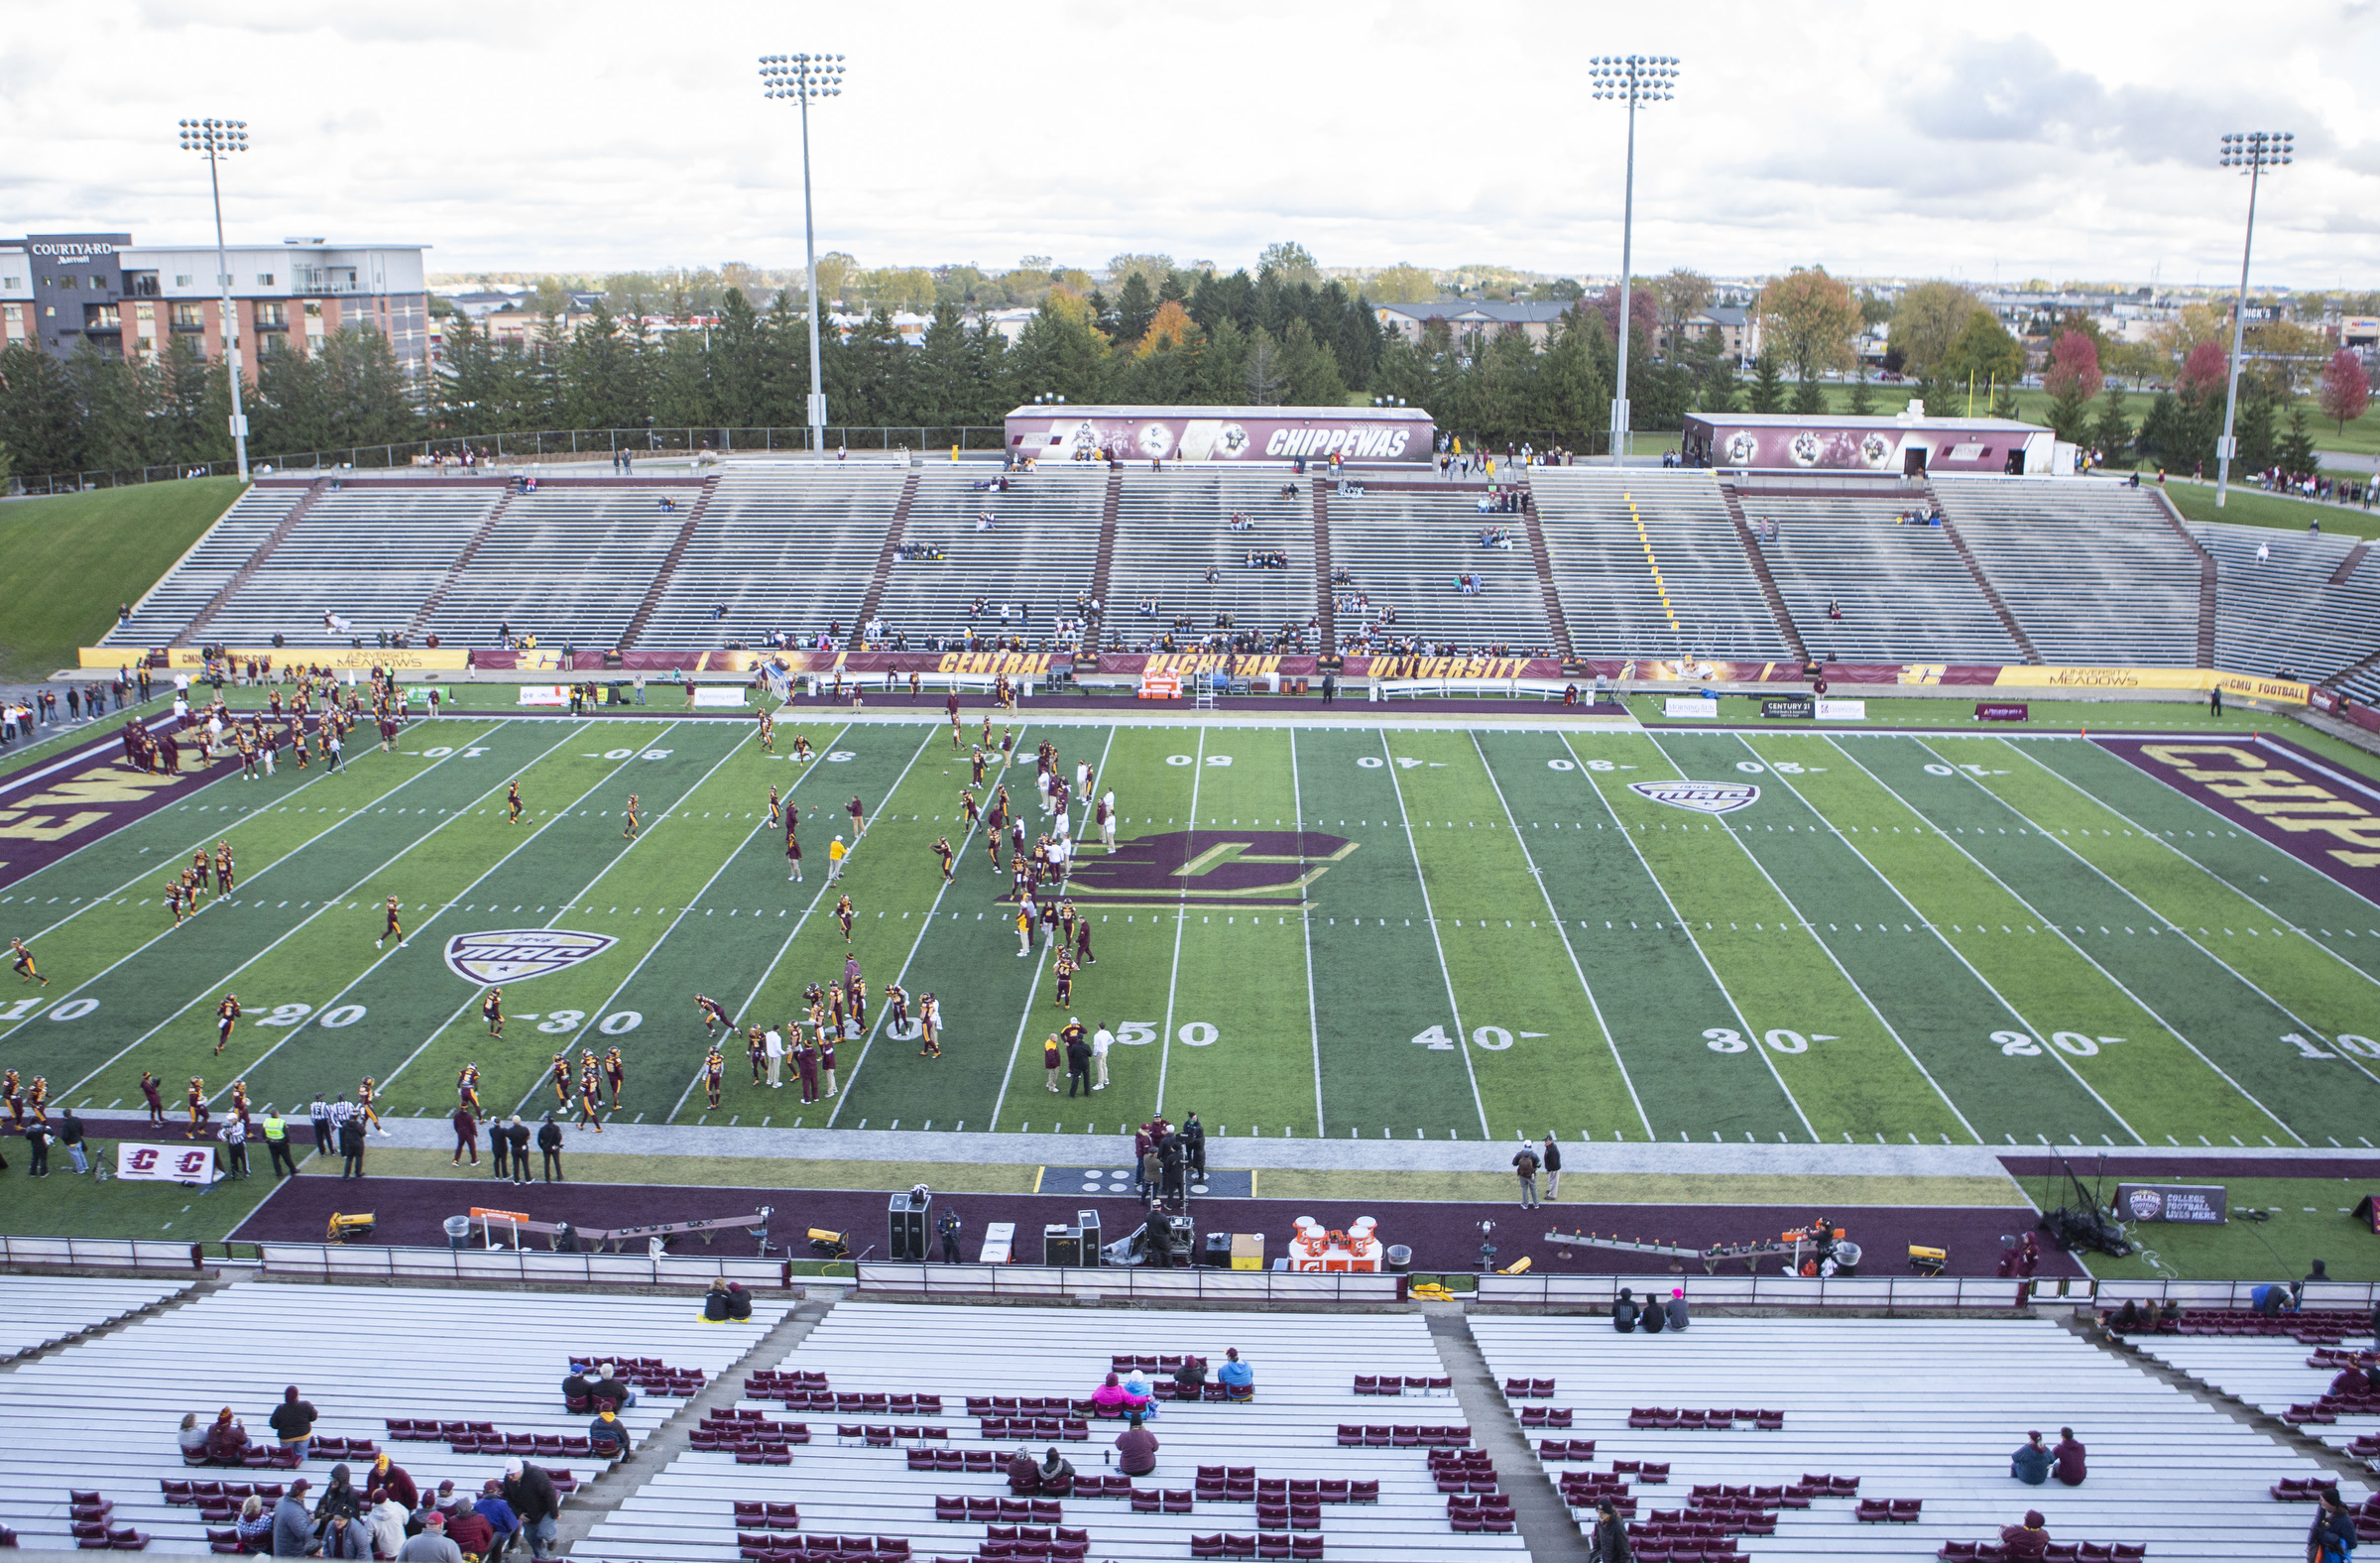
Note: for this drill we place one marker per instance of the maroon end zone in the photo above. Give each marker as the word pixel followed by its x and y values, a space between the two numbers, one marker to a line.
pixel 2326 819
pixel 64 805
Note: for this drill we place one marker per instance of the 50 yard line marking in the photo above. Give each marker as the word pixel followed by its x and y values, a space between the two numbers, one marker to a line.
pixel 1181 916
pixel 2057 1052
pixel 1700 953
pixel 1422 879
pixel 306 923
pixel 1530 859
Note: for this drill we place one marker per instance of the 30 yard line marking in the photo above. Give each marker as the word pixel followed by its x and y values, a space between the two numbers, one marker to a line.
pixel 1530 860
pixel 1181 916
pixel 1305 925
pixel 1701 954
pixel 1989 987
pixel 2070 943
pixel 900 978
pixel 1461 1037
pixel 206 994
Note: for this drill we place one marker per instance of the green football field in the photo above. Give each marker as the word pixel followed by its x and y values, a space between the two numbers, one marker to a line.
pixel 1384 932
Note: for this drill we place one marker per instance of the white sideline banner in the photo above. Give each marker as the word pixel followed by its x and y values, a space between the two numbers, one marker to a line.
pixel 544 694
pixel 1690 705
pixel 165 1164
pixel 1842 710
pixel 718 694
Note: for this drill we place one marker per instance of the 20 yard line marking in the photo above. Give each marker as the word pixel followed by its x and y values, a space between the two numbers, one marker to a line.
pixel 1559 928
pixel 1461 1037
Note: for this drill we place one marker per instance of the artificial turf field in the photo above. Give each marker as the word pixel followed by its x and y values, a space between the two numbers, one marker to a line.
pixel 2031 941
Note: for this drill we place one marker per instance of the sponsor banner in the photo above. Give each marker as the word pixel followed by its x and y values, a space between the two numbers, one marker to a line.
pixel 2003 711
pixel 544 694
pixel 1224 434
pixel 518 954
pixel 1703 797
pixel 2326 702
pixel 2195 1203
pixel 2288 691
pixel 720 694
pixel 1452 667
pixel 1842 710
pixel 2320 815
pixel 182 1163
pixel 1683 705
pixel 1788 710
pixel 51 810
pixel 189 658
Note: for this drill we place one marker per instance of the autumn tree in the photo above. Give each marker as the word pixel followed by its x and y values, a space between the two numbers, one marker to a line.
pixel 1291 262
pixel 1685 294
pixel 1401 283
pixel 1810 318
pixel 2203 368
pixel 2345 390
pixel 1926 320
pixel 2073 378
pixel 1984 352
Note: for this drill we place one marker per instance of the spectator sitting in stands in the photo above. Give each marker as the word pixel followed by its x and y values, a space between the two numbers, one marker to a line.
pixel 346 1537
pixel 293 1421
pixel 1025 1475
pixel 473 1534
pixel 1056 1472
pixel 2272 1301
pixel 192 1438
pixel 1676 1307
pixel 256 1525
pixel 2031 1462
pixel 1139 1399
pixel 2331 1536
pixel 1136 1449
pixel 2028 1542
pixel 667 503
pixel 2356 1378
pixel 577 1386
pixel 388 1475
pixel 1652 1321
pixel 1237 1378
pixel 503 1524
pixel 1190 1377
pixel 341 1498
pixel 1624 1311
pixel 607 1387
pixel 386 1518
pixel 2127 1318
pixel 292 1527
pixel 431 1545
pixel 605 1436
pixel 227 1440
pixel 1108 1399
pixel 2068 1458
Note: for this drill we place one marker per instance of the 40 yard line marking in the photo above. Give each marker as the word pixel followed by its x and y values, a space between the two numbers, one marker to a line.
pixel 1462 1036
pixel 1530 859
pixel 900 978
pixel 1701 954
pixel 308 922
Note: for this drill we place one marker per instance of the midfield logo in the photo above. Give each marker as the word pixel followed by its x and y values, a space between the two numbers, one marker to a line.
pixel 1704 798
pixel 518 954
pixel 1216 869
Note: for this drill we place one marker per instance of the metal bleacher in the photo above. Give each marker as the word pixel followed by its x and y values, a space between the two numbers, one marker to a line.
pixel 1040 554
pixel 220 553
pixel 1404 551
pixel 2282 612
pixel 1305 1365
pixel 781 545
pixel 38 1311
pixel 1914 1409
pixel 1904 592
pixel 565 563
pixel 2090 568
pixel 101 1415
pixel 1172 528
pixel 370 552
pixel 1607 585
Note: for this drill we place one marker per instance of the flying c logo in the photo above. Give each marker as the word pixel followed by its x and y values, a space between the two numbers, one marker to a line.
pixel 1269 870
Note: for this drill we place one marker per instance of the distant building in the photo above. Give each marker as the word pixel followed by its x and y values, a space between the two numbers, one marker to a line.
pixel 1737 328
pixel 65 291
pixel 1468 318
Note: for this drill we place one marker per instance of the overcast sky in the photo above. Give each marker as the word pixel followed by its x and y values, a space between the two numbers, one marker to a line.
pixel 2074 141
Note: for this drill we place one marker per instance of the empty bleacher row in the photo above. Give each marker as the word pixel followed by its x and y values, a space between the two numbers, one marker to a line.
pixel 1274 1469
pixel 371 553
pixel 101 1415
pixel 1036 558
pixel 2091 569
pixel 1901 1420
pixel 183 592
pixel 1903 592
pixel 2278 1373
pixel 2282 612
pixel 1405 550
pixel 575 558
pixel 1610 596
pixel 780 546
pixel 38 1311
pixel 1173 527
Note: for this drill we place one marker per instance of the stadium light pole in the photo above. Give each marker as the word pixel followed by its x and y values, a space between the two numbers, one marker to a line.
pixel 219 139
pixel 1636 80
pixel 2254 151
pixel 805 79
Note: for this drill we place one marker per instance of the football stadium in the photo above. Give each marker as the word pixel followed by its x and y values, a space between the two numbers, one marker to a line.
pixel 1114 939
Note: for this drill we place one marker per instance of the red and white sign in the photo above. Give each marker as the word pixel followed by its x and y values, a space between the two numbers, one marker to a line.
pixel 544 694
pixel 165 1164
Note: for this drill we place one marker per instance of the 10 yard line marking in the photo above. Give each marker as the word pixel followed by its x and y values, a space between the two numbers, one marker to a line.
pixel 1530 860
pixel 598 1013
pixel 1461 1037
pixel 2119 986
pixel 1180 917
pixel 260 873
pixel 1701 954
pixel 900 978
pixel 327 907
pixel 1935 929
pixel 1835 961
pixel 1305 923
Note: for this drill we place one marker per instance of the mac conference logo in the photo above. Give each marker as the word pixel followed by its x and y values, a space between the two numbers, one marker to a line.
pixel 1704 798
pixel 518 954
pixel 1270 870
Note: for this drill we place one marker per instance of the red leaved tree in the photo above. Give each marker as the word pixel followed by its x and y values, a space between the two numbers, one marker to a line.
pixel 2204 369
pixel 1645 309
pixel 2074 369
pixel 2347 390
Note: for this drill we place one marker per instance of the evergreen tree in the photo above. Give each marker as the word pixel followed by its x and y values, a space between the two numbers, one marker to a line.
pixel 1863 400
pixel 1309 371
pixel 37 411
pixel 2257 445
pixel 740 373
pixel 1573 389
pixel 1809 397
pixel 194 403
pixel 681 396
pixel 2003 402
pixel 1136 307
pixel 600 375
pixel 117 400
pixel 1060 353
pixel 2113 432
pixel 2295 451
pixel 1221 378
pixel 366 399
pixel 1768 385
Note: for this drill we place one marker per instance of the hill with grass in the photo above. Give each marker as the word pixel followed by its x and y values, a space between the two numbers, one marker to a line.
pixel 83 553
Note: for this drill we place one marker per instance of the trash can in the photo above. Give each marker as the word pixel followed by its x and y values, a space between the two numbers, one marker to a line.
pixel 1400 1259
pixel 458 1232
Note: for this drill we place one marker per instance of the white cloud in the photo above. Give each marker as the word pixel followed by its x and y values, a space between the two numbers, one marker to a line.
pixel 1871 138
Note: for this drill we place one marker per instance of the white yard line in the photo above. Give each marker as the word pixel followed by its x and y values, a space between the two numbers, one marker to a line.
pixel 1181 919
pixel 2160 1021
pixel 1701 954
pixel 1422 879
pixel 1988 985
pixel 1576 966
pixel 327 907
pixel 1305 924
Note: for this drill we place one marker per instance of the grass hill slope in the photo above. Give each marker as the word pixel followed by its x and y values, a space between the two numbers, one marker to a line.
pixel 72 559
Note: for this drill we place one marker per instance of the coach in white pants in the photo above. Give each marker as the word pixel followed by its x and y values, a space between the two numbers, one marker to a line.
pixel 1101 1040
pixel 775 1046
pixel 1106 819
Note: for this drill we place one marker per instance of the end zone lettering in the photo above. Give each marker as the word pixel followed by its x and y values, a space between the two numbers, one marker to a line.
pixel 2329 824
